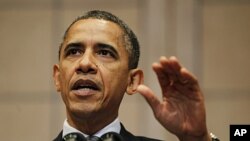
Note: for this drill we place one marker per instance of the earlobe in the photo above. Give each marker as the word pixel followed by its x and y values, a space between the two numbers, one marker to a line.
pixel 56 77
pixel 135 79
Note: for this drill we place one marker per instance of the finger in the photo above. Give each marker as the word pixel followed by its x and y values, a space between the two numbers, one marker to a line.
pixel 188 77
pixel 163 77
pixel 168 72
pixel 148 94
pixel 189 80
pixel 188 85
pixel 172 67
pixel 172 63
pixel 177 72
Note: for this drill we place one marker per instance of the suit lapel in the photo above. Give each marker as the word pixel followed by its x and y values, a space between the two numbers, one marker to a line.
pixel 59 137
pixel 127 136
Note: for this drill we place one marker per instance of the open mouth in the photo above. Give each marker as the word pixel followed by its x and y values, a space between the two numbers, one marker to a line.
pixel 85 84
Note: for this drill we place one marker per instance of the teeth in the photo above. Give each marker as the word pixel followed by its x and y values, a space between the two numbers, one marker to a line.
pixel 85 84
pixel 85 87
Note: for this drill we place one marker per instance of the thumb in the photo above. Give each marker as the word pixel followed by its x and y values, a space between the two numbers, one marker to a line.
pixel 150 97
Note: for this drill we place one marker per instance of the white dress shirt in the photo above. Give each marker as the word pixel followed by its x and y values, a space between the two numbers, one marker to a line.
pixel 114 126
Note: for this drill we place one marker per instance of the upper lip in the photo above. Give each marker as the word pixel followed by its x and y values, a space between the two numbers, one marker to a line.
pixel 81 83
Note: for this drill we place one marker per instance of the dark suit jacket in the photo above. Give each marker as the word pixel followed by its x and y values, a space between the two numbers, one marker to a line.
pixel 127 136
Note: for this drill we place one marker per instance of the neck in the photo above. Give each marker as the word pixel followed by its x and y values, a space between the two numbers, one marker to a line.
pixel 90 124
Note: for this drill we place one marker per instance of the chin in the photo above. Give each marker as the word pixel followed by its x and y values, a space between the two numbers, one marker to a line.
pixel 83 110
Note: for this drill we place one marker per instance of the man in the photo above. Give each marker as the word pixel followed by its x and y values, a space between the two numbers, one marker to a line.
pixel 98 61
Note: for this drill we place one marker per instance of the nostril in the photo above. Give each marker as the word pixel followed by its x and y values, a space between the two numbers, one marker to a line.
pixel 78 71
pixel 85 70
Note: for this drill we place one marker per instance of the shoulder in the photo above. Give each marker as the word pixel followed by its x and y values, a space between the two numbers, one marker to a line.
pixel 59 137
pixel 146 139
pixel 127 136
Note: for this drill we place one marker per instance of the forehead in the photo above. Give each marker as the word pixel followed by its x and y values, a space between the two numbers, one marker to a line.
pixel 97 28
pixel 90 32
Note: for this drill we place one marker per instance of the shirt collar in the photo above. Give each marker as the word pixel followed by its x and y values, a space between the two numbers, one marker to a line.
pixel 114 126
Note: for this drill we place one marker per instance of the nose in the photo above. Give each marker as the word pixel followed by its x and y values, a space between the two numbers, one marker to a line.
pixel 87 64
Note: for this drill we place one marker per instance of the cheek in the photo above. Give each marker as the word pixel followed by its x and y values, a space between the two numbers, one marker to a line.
pixel 115 87
pixel 105 67
pixel 115 79
pixel 65 77
pixel 114 66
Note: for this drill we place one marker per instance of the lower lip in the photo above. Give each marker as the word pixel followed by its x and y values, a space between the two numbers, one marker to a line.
pixel 84 92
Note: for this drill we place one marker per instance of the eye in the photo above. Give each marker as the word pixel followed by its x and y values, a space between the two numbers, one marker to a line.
pixel 73 49
pixel 106 53
pixel 73 52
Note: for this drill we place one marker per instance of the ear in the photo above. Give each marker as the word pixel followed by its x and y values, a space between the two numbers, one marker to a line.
pixel 56 76
pixel 134 80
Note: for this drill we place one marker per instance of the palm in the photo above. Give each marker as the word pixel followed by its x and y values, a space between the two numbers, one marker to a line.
pixel 181 110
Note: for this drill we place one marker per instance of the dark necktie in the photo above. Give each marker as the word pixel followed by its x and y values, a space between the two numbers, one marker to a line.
pixel 93 138
pixel 110 136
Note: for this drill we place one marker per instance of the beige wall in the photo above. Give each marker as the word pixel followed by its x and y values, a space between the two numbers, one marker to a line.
pixel 210 37
pixel 226 67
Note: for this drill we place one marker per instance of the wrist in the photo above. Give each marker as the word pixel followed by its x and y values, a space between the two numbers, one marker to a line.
pixel 207 137
pixel 213 137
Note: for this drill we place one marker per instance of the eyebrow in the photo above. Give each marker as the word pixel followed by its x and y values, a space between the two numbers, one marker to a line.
pixel 107 46
pixel 99 45
pixel 71 45
pixel 77 44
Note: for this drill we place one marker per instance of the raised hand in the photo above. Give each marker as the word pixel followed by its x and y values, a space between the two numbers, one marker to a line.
pixel 181 110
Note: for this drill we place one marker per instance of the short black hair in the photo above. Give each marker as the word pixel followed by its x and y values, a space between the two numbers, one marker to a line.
pixel 131 42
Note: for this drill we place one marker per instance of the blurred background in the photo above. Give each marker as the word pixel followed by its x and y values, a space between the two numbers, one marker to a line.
pixel 210 37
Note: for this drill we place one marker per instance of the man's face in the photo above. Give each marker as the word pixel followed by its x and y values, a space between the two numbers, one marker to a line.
pixel 93 73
